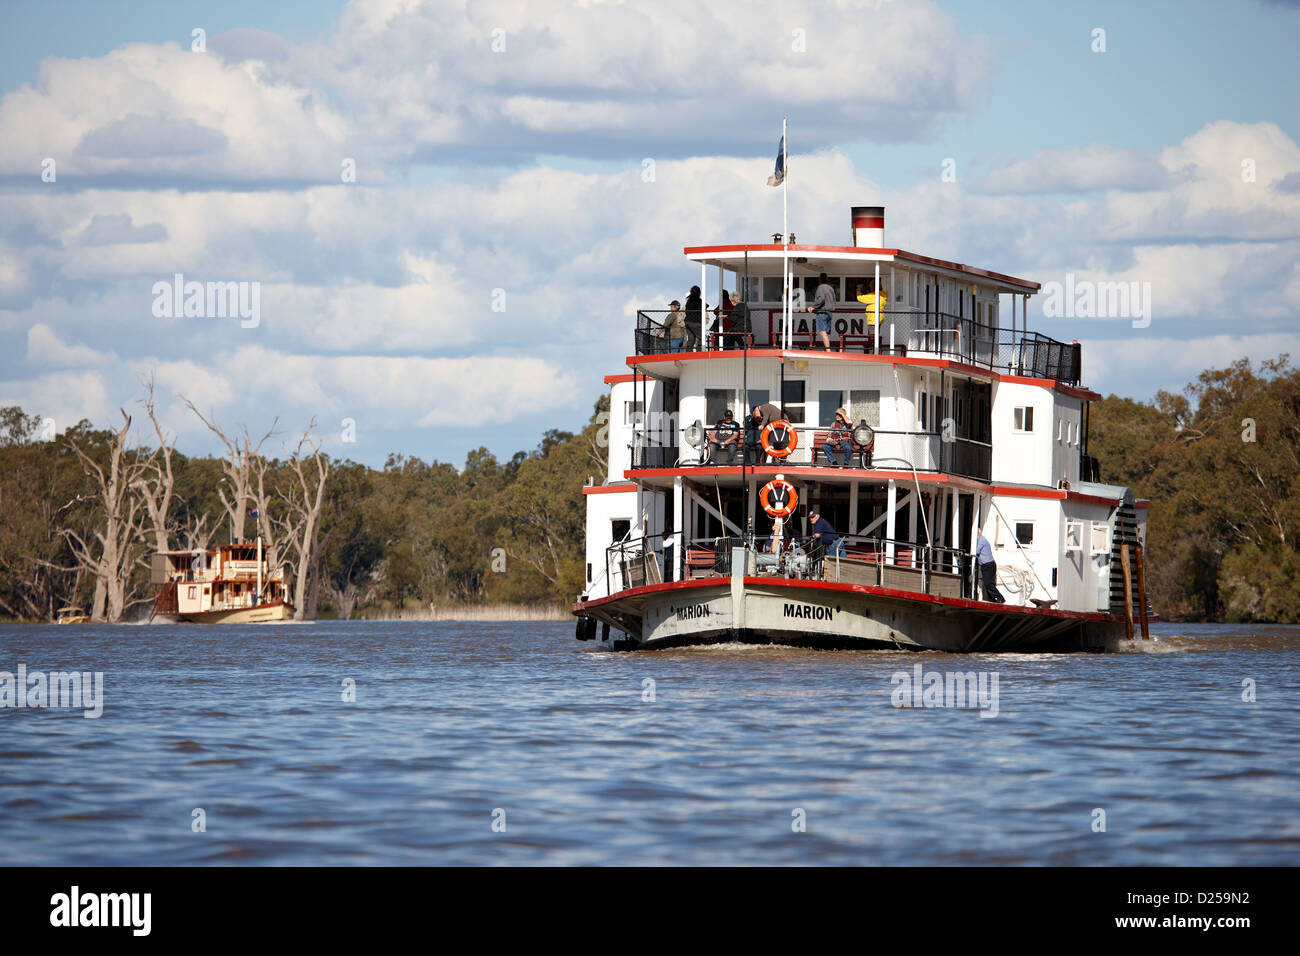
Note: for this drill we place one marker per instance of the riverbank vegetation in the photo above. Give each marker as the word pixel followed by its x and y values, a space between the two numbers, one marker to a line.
pixel 80 512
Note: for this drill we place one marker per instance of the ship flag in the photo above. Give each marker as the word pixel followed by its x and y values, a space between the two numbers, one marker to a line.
pixel 778 174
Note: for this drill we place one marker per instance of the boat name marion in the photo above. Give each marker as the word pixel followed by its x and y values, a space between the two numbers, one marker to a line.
pixel 691 611
pixel 812 612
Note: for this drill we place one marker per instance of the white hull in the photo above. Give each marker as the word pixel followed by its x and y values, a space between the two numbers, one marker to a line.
pixel 818 614
pixel 261 614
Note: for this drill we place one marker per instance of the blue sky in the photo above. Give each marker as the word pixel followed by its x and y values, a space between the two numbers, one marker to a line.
pixel 520 171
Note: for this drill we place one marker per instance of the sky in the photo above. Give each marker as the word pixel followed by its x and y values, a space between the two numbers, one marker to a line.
pixel 440 216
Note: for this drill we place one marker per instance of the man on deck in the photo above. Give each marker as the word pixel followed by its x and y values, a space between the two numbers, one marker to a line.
pixel 824 531
pixel 988 570
pixel 724 440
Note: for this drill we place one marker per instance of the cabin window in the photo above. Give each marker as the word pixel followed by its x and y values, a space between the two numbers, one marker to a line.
pixel 923 403
pixel 1024 419
pixel 619 528
pixel 717 401
pixel 792 400
pixel 1025 532
pixel 772 286
pixel 1074 535
pixel 1100 537
pixel 757 396
pixel 851 284
pixel 864 405
pixel 633 413
pixel 827 402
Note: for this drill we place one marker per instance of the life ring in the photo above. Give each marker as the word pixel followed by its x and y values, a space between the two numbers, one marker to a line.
pixel 788 438
pixel 778 497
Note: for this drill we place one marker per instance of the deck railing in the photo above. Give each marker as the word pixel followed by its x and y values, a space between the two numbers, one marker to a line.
pixel 860 559
pixel 901 332
pixel 890 451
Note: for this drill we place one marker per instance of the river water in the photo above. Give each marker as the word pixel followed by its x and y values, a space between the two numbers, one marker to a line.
pixel 512 743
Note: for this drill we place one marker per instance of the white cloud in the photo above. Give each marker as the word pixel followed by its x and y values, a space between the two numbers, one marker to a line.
pixel 45 349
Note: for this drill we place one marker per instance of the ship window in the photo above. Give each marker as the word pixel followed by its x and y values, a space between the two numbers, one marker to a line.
pixel 851 284
pixel 827 402
pixel 757 396
pixel 619 528
pixel 792 400
pixel 633 413
pixel 864 404
pixel 717 401
pixel 1024 418
pixel 1025 532
pixel 772 286
pixel 1100 537
pixel 1074 535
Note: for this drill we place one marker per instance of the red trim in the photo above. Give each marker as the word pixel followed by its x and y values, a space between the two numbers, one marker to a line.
pixel 1142 503
pixel 1086 394
pixel 859 250
pixel 608 489
pixel 965 603
pixel 869 222
pixel 949 364
pixel 615 379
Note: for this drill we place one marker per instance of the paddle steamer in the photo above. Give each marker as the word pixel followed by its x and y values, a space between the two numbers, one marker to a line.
pixel 233 584
pixel 964 422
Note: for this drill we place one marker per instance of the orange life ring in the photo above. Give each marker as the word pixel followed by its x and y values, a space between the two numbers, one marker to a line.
pixel 789 438
pixel 778 497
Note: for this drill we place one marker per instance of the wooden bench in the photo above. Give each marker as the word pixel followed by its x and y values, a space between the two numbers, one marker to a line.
pixel 821 437
pixel 849 339
pixel 699 562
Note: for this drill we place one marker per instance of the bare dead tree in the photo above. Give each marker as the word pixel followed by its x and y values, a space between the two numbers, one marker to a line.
pixel 239 466
pixel 156 490
pixel 196 535
pixel 304 501
pixel 110 556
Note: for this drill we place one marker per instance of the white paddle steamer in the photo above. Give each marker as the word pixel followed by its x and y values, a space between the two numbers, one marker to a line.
pixel 964 421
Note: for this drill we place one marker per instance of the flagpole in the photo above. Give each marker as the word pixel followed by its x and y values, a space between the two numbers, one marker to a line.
pixel 785 239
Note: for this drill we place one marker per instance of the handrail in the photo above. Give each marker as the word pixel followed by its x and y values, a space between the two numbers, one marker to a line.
pixel 907 331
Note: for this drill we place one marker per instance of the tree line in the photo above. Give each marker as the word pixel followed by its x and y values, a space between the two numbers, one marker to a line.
pixel 81 512
pixel 1221 465
pixel 79 515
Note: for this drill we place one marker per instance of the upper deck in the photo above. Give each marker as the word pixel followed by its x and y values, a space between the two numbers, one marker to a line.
pixel 930 309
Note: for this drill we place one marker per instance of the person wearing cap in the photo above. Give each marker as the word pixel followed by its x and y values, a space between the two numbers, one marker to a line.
pixel 839 439
pixel 725 437
pixel 674 329
pixel 823 531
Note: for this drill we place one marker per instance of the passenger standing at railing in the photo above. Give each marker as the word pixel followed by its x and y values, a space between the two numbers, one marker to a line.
pixel 868 299
pixel 988 570
pixel 694 318
pixel 822 308
pixel 722 320
pixel 839 439
pixel 675 326
pixel 741 325
pixel 763 416
pixel 824 531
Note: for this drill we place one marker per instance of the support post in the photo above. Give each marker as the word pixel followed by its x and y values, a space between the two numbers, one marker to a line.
pixel 891 517
pixel 679 553
pixel 1128 591
pixel 1142 592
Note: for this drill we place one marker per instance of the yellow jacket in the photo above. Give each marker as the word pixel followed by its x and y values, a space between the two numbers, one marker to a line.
pixel 869 300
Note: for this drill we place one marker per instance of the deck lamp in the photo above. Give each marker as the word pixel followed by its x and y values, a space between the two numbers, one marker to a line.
pixel 695 434
pixel 864 434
